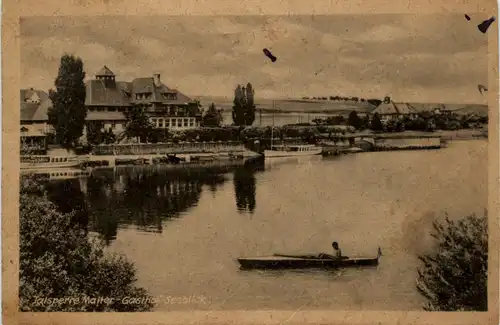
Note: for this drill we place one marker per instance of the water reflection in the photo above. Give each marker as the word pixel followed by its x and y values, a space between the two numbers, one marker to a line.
pixel 143 198
pixel 66 194
pixel 245 186
pixel 146 197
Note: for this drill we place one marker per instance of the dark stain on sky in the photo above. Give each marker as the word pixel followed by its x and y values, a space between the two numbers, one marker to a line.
pixel 467 17
pixel 483 27
pixel 269 55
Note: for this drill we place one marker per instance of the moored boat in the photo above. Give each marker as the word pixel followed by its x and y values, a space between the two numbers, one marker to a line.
pixel 45 161
pixel 292 151
pixel 281 261
pixel 57 173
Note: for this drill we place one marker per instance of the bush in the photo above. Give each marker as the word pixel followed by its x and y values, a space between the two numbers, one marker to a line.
pixel 212 117
pixel 207 134
pixel 57 260
pixel 158 135
pixel 454 276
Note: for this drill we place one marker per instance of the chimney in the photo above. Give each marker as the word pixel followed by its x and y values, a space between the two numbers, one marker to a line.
pixel 157 81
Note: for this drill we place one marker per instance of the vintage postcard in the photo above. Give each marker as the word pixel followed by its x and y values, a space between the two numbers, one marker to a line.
pixel 250 163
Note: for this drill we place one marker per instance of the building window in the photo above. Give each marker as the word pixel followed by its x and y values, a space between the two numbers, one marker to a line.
pixel 179 122
pixel 173 122
pixel 169 96
pixel 191 122
pixel 111 109
pixel 160 123
pixel 155 122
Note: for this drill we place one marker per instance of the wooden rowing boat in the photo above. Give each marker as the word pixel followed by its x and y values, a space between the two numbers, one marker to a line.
pixel 321 261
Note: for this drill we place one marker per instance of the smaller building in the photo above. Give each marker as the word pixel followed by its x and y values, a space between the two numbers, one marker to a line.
pixel 389 110
pixel 34 125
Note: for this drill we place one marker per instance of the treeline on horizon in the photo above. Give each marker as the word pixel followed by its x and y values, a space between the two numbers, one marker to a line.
pixel 373 101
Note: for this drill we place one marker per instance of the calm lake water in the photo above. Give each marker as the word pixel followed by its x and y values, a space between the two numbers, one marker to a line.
pixel 184 229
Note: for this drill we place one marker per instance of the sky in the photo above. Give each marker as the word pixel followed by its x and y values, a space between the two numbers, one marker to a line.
pixel 414 58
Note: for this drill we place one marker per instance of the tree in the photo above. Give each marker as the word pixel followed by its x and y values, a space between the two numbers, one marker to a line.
pixel 212 117
pixel 454 276
pixel 68 112
pixel 94 132
pixel 57 260
pixel 250 105
pixel 376 123
pixel 108 137
pixel 158 135
pixel 238 106
pixel 243 105
pixel 318 121
pixel 354 120
pixel 138 125
pixel 365 122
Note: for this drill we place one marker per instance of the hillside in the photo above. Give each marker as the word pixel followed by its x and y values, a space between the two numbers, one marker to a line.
pixel 335 107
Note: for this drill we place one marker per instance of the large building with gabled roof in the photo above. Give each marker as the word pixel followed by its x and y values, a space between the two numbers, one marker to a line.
pixel 388 110
pixel 108 100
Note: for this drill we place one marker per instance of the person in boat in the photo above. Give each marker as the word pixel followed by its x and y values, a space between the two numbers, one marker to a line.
pixel 337 253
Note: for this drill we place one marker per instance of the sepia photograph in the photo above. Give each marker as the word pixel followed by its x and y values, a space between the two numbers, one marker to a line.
pixel 293 162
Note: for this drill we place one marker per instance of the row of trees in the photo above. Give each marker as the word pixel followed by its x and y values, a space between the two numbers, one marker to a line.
pixel 373 101
pixel 336 98
pixel 424 122
pixel 243 112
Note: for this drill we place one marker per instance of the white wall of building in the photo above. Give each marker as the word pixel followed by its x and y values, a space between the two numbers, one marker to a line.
pixel 175 123
pixel 37 128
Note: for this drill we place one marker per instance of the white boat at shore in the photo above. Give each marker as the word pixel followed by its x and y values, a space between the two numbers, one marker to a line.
pixel 44 161
pixel 57 173
pixel 292 151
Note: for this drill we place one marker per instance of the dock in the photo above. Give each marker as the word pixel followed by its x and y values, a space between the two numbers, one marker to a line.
pixel 382 142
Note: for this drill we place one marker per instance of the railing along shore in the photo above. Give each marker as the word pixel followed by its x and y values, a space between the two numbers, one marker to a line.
pixel 164 148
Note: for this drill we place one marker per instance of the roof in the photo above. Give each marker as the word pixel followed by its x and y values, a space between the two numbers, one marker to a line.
pixel 105 72
pixel 33 133
pixel 385 108
pixel 394 108
pixel 405 108
pixel 34 111
pixel 122 93
pixel 99 94
pixel 106 116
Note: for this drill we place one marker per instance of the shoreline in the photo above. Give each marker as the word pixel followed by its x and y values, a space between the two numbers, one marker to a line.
pixel 464 134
